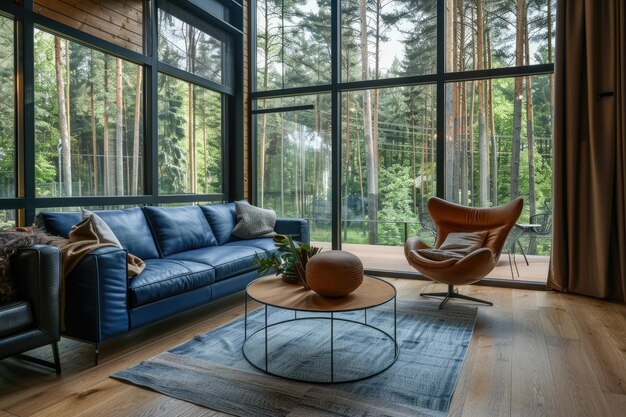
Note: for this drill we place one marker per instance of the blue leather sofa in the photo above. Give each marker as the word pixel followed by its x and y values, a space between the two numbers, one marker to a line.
pixel 191 259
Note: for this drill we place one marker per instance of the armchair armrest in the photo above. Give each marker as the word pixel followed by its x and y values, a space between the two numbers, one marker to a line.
pixel 39 270
pixel 96 303
pixel 298 229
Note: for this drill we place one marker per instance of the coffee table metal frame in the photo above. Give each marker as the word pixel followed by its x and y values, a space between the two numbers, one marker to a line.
pixel 332 319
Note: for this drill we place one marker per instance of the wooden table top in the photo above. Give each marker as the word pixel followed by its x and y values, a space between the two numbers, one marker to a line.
pixel 274 292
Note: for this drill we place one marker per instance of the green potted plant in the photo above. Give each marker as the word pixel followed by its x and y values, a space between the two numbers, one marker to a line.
pixel 291 262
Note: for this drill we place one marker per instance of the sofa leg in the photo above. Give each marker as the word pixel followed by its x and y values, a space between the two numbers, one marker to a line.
pixel 57 359
pixel 97 354
pixel 56 365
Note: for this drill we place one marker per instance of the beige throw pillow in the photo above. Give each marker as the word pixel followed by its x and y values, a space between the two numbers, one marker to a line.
pixel 104 232
pixel 464 243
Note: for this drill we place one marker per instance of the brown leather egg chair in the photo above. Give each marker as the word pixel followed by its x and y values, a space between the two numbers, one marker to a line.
pixel 449 218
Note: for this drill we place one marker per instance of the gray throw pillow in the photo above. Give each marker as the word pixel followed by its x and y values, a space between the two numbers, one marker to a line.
pixel 439 255
pixel 104 232
pixel 253 222
pixel 464 243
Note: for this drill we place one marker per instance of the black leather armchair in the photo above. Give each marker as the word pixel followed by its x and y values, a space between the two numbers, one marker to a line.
pixel 33 320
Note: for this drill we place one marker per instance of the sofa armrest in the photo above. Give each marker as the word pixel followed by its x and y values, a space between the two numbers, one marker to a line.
pixel 39 270
pixel 96 302
pixel 298 229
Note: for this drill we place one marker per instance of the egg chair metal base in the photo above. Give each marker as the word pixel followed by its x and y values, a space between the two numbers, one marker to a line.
pixel 450 294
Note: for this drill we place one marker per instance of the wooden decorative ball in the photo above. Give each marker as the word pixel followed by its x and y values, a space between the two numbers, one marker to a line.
pixel 334 273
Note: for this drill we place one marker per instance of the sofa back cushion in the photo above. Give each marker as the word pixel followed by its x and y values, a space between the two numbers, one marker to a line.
pixel 129 226
pixel 222 220
pixel 179 229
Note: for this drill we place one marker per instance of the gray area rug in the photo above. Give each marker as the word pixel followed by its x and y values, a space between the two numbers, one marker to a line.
pixel 210 369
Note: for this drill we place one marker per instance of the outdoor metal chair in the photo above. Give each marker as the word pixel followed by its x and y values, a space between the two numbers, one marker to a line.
pixel 509 248
pixel 547 203
pixel 427 223
pixel 545 220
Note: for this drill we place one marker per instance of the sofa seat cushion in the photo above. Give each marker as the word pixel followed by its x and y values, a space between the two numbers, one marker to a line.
pixel 265 243
pixel 163 278
pixel 179 229
pixel 14 317
pixel 222 219
pixel 129 226
pixel 227 260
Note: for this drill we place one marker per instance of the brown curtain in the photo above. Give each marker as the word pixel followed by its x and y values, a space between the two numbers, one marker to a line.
pixel 589 220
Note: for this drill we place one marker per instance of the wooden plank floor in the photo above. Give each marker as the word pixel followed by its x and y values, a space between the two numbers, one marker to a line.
pixel 392 258
pixel 532 354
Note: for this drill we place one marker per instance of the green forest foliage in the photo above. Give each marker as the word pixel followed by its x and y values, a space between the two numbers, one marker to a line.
pixel 293 50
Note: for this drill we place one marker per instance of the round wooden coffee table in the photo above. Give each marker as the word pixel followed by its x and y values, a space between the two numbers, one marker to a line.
pixel 317 339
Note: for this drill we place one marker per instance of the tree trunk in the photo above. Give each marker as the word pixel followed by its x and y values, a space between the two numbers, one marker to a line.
pixel 375 99
pixel 472 157
pixel 66 160
pixel 370 151
pixel 425 140
pixel 463 107
pixel 282 165
pixel 262 144
pixel 136 134
pixel 532 199
pixel 550 60
pixel 94 144
pixel 517 101
pixel 119 130
pixel 360 166
pixel 346 165
pixel 450 193
pixel 108 170
pixel 413 156
pixel 483 150
pixel 205 150
pixel 456 137
pixel 191 124
pixel 492 128
pixel 67 88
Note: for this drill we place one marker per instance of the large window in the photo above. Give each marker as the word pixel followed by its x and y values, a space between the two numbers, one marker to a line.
pixel 431 98
pixel 7 108
pixel 293 43
pixel 295 160
pixel 190 115
pixel 88 121
pixel 398 38
pixel 119 103
pixel 188 48
pixel 190 138
pixel 388 168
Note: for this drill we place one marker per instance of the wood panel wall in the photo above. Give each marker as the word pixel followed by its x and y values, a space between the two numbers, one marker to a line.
pixel 117 21
pixel 246 103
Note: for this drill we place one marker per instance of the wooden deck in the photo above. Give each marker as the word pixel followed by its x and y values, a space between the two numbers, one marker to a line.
pixel 391 258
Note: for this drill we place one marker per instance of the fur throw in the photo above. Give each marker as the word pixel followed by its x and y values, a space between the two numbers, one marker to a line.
pixel 10 242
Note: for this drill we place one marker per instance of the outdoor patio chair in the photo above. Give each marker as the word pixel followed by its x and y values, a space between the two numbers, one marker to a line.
pixel 545 220
pixel 427 223
pixel 512 241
